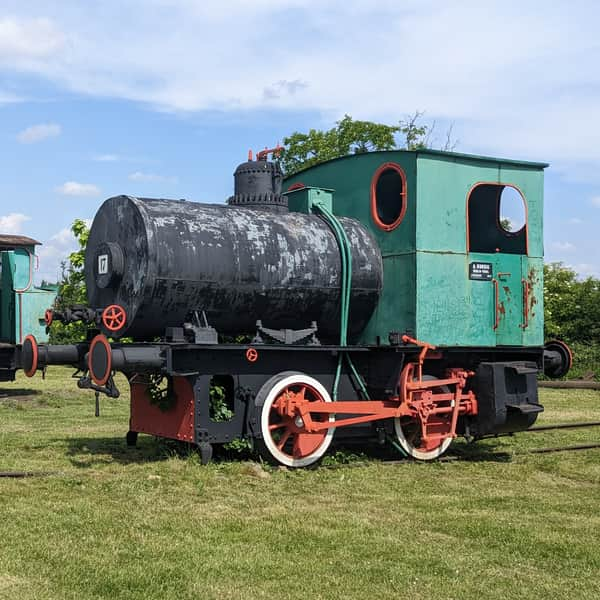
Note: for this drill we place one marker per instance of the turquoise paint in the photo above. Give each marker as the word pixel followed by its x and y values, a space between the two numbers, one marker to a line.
pixel 510 300
pixel 427 290
pixel 532 271
pixel 350 177
pixel 22 305
pixel 444 184
pixel 452 310
pixel 304 199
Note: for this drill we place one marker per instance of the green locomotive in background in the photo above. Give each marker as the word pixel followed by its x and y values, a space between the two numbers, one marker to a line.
pixel 22 304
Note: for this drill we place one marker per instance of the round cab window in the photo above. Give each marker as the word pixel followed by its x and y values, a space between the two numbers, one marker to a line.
pixel 512 214
pixel 388 196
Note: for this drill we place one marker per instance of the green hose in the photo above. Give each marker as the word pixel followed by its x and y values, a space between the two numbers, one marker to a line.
pixel 345 292
pixel 346 288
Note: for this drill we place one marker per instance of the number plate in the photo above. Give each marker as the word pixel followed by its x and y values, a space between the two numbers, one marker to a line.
pixel 102 264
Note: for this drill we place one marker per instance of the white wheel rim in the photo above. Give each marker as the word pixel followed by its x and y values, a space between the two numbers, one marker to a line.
pixel 273 394
pixel 415 452
pixel 408 446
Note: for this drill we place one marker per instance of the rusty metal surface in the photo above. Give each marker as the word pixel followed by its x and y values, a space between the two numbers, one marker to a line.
pixel 236 264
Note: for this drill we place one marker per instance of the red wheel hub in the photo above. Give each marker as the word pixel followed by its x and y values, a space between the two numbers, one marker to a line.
pixel 48 317
pixel 287 428
pixel 114 317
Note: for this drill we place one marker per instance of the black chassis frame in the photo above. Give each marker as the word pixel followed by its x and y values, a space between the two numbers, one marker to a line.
pixel 9 361
pixel 379 366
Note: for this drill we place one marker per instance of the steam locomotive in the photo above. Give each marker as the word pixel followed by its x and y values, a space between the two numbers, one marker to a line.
pixel 380 296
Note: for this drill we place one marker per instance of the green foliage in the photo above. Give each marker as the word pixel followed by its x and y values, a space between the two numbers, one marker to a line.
pixel 239 446
pixel 571 306
pixel 302 150
pixel 343 457
pixel 235 339
pixel 416 137
pixel 586 361
pixel 71 289
pixel 219 410
pixel 67 334
pixel 572 314
pixel 161 392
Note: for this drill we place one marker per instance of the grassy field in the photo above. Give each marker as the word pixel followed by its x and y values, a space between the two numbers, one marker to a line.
pixel 108 522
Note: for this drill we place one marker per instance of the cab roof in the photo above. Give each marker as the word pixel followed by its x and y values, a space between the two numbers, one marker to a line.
pixel 441 154
pixel 16 241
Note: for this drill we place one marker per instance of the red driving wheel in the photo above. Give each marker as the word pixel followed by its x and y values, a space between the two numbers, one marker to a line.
pixel 114 317
pixel 284 439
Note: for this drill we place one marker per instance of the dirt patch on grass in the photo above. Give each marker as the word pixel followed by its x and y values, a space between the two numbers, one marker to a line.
pixel 22 398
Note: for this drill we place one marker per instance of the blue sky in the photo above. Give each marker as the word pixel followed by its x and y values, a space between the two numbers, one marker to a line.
pixel 164 98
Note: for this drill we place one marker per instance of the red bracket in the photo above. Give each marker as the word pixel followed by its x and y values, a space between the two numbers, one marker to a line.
pixel 496 304
pixel 525 285
pixel 437 403
pixel 263 154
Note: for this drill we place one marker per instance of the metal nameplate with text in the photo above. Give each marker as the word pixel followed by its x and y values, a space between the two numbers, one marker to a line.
pixel 481 271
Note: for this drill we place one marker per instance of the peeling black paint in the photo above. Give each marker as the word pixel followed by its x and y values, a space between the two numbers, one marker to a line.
pixel 236 264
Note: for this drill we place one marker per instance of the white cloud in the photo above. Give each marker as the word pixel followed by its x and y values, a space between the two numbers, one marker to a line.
pixel 37 133
pixel 55 251
pixel 586 270
pixel 74 188
pixel 25 41
pixel 500 69
pixel 282 88
pixel 378 72
pixel 151 178
pixel 50 259
pixel 63 237
pixel 9 98
pixel 12 223
pixel 563 246
pixel 107 158
pixel 575 221
pixel 596 201
pixel 112 157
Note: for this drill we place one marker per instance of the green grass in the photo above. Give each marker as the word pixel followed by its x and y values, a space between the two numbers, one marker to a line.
pixel 108 522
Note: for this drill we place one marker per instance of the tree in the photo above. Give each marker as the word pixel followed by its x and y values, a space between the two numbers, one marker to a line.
pixel 302 150
pixel 71 289
pixel 571 306
pixel 72 286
